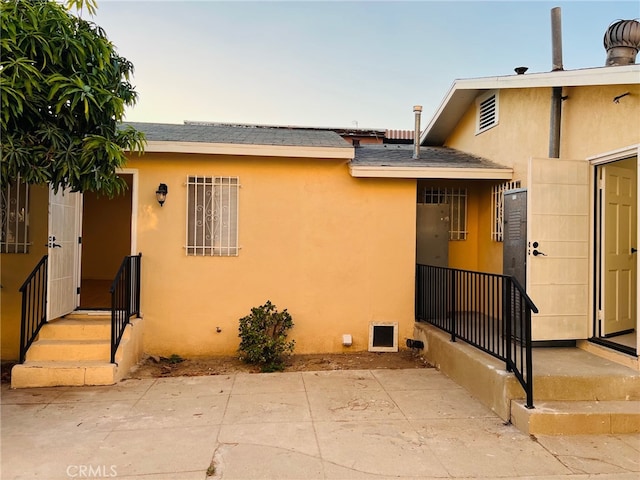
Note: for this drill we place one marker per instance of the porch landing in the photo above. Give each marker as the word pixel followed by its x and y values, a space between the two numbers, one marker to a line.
pixel 75 350
pixel 574 391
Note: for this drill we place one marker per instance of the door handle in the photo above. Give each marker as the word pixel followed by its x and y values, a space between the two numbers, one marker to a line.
pixel 538 252
pixel 52 243
pixel 633 250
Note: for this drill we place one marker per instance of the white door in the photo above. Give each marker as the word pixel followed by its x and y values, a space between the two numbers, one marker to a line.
pixel 618 237
pixel 558 248
pixel 63 249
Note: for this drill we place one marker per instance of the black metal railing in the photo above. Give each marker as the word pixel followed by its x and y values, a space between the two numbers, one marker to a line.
pixel 489 311
pixel 34 306
pixel 125 299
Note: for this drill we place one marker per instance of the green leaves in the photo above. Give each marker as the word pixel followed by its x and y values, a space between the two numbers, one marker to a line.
pixel 263 336
pixel 64 90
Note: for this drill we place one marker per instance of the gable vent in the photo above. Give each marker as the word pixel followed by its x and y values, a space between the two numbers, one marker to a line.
pixel 487 112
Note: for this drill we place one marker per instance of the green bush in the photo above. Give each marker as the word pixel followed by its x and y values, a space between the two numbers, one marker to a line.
pixel 263 336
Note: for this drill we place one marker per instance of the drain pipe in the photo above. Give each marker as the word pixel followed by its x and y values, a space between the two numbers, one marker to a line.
pixel 556 96
pixel 417 110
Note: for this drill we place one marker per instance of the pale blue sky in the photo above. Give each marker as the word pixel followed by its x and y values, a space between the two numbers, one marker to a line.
pixel 336 64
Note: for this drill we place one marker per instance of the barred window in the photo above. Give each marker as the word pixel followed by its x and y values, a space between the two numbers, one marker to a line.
pixel 14 218
pixel 497 210
pixel 212 216
pixel 456 198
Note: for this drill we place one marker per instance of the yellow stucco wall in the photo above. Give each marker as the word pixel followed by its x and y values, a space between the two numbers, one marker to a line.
pixel 477 252
pixel 523 129
pixel 336 251
pixel 523 132
pixel 14 269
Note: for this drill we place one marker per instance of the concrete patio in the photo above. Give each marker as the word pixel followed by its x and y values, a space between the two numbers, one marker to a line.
pixel 357 424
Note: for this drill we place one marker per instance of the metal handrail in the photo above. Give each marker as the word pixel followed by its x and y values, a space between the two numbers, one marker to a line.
pixel 34 305
pixel 125 299
pixel 491 312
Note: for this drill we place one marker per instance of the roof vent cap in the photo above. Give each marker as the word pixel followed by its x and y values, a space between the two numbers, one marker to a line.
pixel 622 42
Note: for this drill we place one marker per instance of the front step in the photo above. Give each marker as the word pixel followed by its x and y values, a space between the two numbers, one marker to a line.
pixel 77 327
pixel 69 350
pixel 55 374
pixel 577 417
pixel 75 350
pixel 574 391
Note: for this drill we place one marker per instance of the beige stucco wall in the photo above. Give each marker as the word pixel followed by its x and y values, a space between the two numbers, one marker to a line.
pixel 592 124
pixel 523 133
pixel 337 252
pixel 523 129
pixel 14 269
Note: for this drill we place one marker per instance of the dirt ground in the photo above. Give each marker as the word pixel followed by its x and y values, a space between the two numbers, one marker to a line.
pixel 153 367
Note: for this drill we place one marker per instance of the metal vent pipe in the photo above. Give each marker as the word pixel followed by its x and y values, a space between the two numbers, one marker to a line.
pixel 556 96
pixel 417 110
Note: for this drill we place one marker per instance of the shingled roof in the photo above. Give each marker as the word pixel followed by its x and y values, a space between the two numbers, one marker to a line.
pixel 240 135
pixel 434 162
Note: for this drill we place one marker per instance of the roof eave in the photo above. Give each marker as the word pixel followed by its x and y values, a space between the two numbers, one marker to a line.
pixel 289 151
pixel 463 92
pixel 457 173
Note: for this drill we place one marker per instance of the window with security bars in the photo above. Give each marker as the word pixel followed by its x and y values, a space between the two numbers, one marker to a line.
pixel 212 216
pixel 14 218
pixel 497 210
pixel 487 106
pixel 456 198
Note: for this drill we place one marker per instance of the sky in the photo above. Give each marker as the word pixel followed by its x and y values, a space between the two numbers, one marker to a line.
pixel 336 64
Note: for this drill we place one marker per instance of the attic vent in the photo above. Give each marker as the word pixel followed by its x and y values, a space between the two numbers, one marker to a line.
pixel 487 111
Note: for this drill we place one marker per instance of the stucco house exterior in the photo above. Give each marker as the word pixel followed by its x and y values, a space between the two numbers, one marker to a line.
pixel 580 209
pixel 250 215
pixel 290 216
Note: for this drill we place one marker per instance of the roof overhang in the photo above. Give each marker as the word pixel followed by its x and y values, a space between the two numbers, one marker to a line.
pixel 463 92
pixel 343 153
pixel 454 173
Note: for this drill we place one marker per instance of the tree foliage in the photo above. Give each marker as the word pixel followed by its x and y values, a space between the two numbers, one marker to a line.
pixel 64 90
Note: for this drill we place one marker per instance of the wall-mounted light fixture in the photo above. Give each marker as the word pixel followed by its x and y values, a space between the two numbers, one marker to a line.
pixel 617 99
pixel 161 193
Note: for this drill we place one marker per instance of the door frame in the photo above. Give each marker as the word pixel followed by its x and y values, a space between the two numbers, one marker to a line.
pixel 78 222
pixel 595 162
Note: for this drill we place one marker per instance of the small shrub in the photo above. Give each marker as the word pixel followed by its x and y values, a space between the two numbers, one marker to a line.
pixel 263 336
pixel 175 358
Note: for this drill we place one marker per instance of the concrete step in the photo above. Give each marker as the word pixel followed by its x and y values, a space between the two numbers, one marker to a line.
pixel 571 374
pixel 577 417
pixel 73 328
pixel 53 374
pixel 55 350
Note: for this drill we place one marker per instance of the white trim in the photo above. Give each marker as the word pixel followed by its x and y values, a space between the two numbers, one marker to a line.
pixel 463 91
pixel 620 75
pixel 368 171
pixel 596 223
pixel 615 155
pixel 346 153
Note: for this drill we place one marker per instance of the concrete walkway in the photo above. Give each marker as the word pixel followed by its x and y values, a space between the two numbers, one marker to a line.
pixel 364 424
